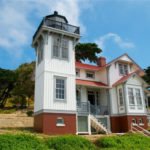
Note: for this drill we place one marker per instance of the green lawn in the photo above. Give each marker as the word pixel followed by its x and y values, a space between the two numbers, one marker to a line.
pixel 30 141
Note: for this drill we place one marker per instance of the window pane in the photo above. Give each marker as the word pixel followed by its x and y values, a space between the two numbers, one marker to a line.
pixel 123 69
pixel 65 48
pixel 131 96
pixel 120 68
pixel 138 97
pixel 90 74
pixel 56 46
pixel 121 97
pixel 60 88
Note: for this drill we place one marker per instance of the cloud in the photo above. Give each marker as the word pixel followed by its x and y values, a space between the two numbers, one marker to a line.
pixel 116 39
pixel 18 20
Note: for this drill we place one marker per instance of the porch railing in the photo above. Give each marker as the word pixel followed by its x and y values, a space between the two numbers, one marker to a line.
pixel 87 108
pixel 83 107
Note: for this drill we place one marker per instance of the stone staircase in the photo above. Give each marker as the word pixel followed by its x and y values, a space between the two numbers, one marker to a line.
pixel 98 126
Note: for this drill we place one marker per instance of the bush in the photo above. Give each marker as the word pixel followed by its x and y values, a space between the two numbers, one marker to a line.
pixel 70 143
pixel 21 142
pixel 128 141
pixel 7 111
pixel 30 113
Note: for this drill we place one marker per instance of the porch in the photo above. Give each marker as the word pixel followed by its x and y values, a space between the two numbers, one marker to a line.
pixel 92 110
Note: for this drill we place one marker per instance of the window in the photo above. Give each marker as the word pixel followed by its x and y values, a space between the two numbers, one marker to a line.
pixel 131 96
pixel 60 121
pixel 134 121
pixel 120 91
pixel 60 88
pixel 123 69
pixel 90 74
pixel 140 121
pixel 40 50
pixel 60 47
pixel 77 72
pixel 64 48
pixel 138 97
pixel 56 46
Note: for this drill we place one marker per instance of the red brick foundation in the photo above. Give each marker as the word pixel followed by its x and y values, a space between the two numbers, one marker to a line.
pixel 46 123
pixel 123 123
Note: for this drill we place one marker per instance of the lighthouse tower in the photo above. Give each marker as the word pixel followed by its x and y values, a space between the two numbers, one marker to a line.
pixel 55 99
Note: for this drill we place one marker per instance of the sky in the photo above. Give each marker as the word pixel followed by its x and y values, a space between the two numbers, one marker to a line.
pixel 117 26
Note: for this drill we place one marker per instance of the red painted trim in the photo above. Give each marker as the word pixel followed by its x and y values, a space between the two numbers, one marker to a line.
pixel 91 83
pixel 88 67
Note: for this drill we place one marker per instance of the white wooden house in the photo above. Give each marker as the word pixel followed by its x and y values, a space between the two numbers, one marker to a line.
pixel 76 98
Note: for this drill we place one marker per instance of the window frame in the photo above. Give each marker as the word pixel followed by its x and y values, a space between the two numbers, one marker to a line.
pixel 121 97
pixel 61 123
pixel 90 72
pixel 131 104
pixel 123 69
pixel 138 96
pixel 61 46
pixel 65 89
pixel 40 51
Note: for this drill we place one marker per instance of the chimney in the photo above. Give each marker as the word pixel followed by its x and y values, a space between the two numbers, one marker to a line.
pixel 101 61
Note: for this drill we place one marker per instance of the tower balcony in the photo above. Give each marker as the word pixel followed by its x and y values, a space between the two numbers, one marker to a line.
pixel 46 22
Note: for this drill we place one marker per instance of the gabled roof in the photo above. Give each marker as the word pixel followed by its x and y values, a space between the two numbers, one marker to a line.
pixel 88 67
pixel 91 83
pixel 125 78
pixel 113 61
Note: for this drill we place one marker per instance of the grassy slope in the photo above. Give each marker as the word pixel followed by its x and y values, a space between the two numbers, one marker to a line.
pixel 29 141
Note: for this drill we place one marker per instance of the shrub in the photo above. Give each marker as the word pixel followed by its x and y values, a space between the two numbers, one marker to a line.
pixel 69 143
pixel 127 141
pixel 21 142
pixel 30 113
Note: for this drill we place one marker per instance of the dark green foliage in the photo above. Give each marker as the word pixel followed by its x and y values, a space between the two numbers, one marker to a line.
pixel 124 142
pixel 30 113
pixel 20 82
pixel 147 76
pixel 21 142
pixel 6 77
pixel 87 51
pixel 70 143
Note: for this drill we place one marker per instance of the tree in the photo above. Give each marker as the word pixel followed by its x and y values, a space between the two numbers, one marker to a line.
pixel 87 51
pixel 7 82
pixel 24 88
pixel 147 76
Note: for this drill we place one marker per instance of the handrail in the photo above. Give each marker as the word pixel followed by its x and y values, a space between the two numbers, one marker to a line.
pixel 58 25
pixel 144 131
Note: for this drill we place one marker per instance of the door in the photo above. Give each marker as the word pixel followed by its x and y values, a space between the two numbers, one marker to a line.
pixel 91 97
